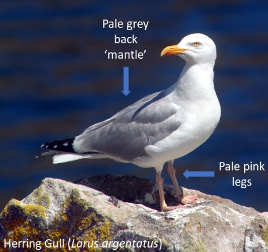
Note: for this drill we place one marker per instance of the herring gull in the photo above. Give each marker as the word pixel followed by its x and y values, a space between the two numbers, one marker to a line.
pixel 160 127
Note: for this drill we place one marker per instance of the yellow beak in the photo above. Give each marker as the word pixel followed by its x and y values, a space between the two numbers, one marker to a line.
pixel 174 49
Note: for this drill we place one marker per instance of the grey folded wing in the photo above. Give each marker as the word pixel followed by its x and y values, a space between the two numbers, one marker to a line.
pixel 125 135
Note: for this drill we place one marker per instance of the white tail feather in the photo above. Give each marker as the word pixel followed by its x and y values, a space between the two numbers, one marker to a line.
pixel 63 158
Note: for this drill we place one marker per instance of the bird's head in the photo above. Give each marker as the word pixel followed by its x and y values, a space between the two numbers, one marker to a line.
pixel 194 48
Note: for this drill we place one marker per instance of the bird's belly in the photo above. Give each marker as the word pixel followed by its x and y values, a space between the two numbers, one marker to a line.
pixel 192 133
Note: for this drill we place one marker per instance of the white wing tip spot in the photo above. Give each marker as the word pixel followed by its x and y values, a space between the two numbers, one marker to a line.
pixel 65 144
pixel 55 146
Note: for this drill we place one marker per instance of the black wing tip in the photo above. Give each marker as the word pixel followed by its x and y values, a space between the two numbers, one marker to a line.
pixel 65 145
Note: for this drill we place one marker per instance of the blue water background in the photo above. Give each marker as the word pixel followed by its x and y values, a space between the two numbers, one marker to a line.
pixel 56 80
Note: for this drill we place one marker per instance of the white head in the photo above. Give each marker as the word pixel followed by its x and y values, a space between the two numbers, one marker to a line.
pixel 195 48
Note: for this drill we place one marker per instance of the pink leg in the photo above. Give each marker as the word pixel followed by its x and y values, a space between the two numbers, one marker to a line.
pixel 163 205
pixel 178 192
pixel 172 174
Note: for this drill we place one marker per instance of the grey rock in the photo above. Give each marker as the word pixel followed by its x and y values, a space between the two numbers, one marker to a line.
pixel 106 213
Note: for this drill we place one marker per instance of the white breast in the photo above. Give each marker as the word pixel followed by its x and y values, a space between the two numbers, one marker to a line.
pixel 200 120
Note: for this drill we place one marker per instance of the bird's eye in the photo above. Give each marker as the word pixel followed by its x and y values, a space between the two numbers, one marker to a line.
pixel 196 44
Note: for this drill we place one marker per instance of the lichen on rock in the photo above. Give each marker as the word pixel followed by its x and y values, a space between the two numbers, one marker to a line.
pixel 265 235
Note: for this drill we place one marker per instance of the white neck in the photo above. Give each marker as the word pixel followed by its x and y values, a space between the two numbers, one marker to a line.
pixel 195 82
